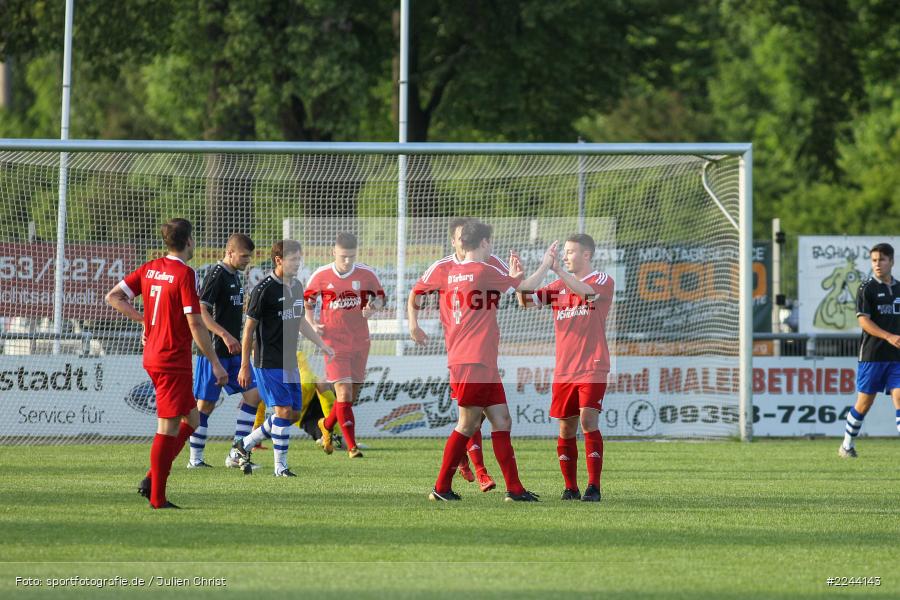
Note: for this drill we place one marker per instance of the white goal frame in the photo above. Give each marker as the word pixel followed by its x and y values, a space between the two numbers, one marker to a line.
pixel 743 151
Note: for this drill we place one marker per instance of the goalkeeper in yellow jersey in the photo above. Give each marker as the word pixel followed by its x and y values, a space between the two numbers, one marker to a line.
pixel 311 412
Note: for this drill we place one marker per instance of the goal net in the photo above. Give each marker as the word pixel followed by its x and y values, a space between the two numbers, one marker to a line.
pixel 665 228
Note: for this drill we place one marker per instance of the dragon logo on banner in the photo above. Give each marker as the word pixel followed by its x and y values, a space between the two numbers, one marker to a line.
pixel 837 310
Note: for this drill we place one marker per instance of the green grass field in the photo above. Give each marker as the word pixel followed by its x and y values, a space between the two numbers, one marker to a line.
pixel 771 519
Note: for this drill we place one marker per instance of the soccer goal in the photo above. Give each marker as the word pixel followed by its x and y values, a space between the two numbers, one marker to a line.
pixel 672 224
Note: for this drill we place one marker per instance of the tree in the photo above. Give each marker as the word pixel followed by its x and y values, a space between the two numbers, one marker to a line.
pixel 515 71
pixel 788 80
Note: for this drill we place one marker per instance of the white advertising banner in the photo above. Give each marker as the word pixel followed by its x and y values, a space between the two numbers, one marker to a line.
pixel 62 396
pixel 829 271
pixel 652 396
pixel 795 396
pixel 403 397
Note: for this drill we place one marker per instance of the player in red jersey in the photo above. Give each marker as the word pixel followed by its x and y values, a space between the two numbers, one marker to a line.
pixel 472 290
pixel 580 300
pixel 350 293
pixel 430 282
pixel 171 321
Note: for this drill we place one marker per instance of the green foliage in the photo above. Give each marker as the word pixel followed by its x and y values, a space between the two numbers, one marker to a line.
pixel 662 115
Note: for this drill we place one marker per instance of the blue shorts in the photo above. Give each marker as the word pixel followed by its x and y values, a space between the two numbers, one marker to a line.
pixel 280 387
pixel 205 387
pixel 877 377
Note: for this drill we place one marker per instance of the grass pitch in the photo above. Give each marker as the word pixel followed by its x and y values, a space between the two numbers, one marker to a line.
pixel 771 519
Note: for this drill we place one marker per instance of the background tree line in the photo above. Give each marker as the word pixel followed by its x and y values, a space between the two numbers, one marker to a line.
pixel 812 84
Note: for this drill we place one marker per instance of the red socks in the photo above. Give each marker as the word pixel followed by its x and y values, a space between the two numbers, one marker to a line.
pixel 344 412
pixel 454 450
pixel 503 450
pixel 159 468
pixel 475 453
pixel 162 454
pixel 331 419
pixel 567 451
pixel 593 448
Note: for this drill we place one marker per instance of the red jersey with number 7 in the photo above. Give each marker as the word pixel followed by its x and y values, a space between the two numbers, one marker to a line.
pixel 169 288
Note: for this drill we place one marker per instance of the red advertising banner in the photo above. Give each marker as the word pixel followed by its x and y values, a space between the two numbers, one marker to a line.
pixel 28 271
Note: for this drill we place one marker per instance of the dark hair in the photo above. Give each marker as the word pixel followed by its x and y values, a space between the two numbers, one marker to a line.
pixel 282 248
pixel 473 233
pixel 346 240
pixel 176 234
pixel 883 248
pixel 240 240
pixel 455 223
pixel 583 240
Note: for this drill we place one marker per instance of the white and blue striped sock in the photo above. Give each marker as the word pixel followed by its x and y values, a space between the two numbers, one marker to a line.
pixel 259 434
pixel 898 420
pixel 198 440
pixel 854 424
pixel 281 439
pixel 245 418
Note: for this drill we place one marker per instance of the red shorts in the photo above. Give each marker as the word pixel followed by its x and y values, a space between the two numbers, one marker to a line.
pixel 174 393
pixel 476 385
pixel 575 393
pixel 347 366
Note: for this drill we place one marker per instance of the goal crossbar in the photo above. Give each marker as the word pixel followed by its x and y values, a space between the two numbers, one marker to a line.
pixel 165 146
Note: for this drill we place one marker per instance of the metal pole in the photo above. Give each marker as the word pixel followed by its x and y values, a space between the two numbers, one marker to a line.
pixel 386 148
pixel 745 273
pixel 776 283
pixel 401 176
pixel 63 181
pixel 581 190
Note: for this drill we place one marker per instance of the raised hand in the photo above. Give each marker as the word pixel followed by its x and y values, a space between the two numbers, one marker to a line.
pixel 556 266
pixel 550 255
pixel 515 265
pixel 514 259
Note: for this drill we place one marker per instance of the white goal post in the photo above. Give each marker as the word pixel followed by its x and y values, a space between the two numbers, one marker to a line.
pixel 673 222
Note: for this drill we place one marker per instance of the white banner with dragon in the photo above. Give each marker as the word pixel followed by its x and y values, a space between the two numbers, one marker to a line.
pixel 830 269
